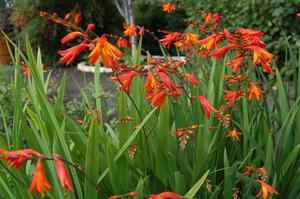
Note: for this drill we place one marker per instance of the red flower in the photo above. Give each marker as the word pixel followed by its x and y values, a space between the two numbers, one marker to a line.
pixel 18 157
pixel 39 180
pixel 265 189
pixel 166 195
pixel 166 80
pixel 191 78
pixel 90 28
pixel 26 71
pixel 106 51
pixel 169 7
pixel 71 36
pixel 125 80
pixel 122 42
pixel 78 18
pixel 206 106
pixel 62 174
pixel 70 54
pixel 130 30
pixel 298 14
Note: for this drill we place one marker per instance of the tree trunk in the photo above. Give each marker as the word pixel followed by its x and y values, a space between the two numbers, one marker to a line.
pixel 126 9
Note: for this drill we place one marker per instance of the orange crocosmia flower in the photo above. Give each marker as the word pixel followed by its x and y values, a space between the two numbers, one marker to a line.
pixel 169 7
pixel 157 98
pixel 298 14
pixel 125 80
pixel 231 96
pixel 236 62
pixel 26 71
pixel 39 181
pixel 122 42
pixel 106 51
pixel 206 106
pixel 62 174
pixel 70 54
pixel 130 30
pixel 234 134
pixel 151 83
pixel 169 38
pixel 191 78
pixel 166 195
pixel 187 40
pixel 71 36
pixel 255 92
pixel 166 80
pixel 211 41
pixel 263 57
pixel 265 190
pixel 221 52
pixel 18 157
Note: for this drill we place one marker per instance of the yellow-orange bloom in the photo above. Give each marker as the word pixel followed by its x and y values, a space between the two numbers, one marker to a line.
pixel 265 189
pixel 130 30
pixel 263 57
pixel 108 52
pixel 255 92
pixel 234 134
pixel 39 180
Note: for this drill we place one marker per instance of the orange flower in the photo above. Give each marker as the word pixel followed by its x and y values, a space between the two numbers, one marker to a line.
pixel 265 189
pixel 187 40
pixel 151 84
pixel 255 92
pixel 298 14
pixel 169 38
pixel 263 57
pixel 18 157
pixel 130 30
pixel 166 80
pixel 157 98
pixel 166 195
pixel 39 180
pixel 191 78
pixel 206 106
pixel 211 41
pixel 26 71
pixel 70 54
pixel 231 96
pixel 169 7
pixel 106 50
pixel 125 80
pixel 234 134
pixel 71 36
pixel 62 174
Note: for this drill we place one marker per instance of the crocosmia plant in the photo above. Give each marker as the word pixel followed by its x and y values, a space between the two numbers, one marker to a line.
pixel 213 120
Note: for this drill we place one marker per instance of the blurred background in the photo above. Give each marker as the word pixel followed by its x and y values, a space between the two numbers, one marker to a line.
pixel 277 18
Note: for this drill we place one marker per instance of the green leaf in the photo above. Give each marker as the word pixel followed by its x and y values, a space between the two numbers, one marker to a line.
pixel 192 192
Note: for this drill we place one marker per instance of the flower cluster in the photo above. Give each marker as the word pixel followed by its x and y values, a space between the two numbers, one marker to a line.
pixel 265 189
pixel 39 181
pixel 163 195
